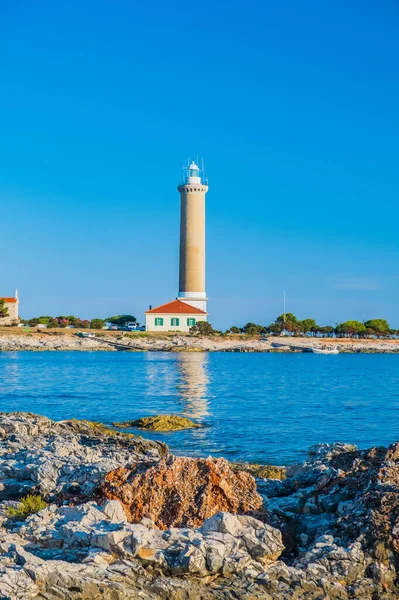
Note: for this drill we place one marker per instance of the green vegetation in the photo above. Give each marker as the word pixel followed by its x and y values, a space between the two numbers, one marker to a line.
pixel 55 322
pixel 3 309
pixel 137 334
pixel 379 326
pixel 121 320
pixel 97 324
pixel 160 423
pixel 202 328
pixel 289 323
pixel 64 321
pixel 30 505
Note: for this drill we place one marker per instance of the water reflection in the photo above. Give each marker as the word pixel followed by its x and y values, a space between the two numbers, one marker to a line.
pixel 193 383
pixel 10 372
pixel 160 374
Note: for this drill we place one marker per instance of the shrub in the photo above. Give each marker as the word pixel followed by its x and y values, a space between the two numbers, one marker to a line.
pixel 97 324
pixel 202 328
pixel 30 504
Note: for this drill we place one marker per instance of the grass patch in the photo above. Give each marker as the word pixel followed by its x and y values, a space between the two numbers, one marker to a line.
pixel 30 505
pixel 138 334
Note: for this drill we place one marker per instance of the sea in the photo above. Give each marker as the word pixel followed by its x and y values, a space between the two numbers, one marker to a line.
pixel 256 407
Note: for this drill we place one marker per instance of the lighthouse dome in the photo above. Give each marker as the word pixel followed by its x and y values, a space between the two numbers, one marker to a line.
pixel 193 174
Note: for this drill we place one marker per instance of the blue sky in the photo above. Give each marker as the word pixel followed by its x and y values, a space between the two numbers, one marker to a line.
pixel 294 107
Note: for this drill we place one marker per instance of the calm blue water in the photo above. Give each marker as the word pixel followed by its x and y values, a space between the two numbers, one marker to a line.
pixel 265 408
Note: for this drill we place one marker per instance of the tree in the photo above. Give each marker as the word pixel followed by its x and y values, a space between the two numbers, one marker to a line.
pixel 33 322
pixel 276 328
pixel 97 324
pixel 307 325
pixel 234 329
pixel 327 329
pixel 121 320
pixel 350 328
pixel 202 328
pixel 62 321
pixel 378 326
pixel 287 318
pixel 3 309
pixel 253 329
pixel 72 319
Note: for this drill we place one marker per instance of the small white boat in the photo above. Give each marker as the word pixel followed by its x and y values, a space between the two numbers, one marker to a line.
pixel 325 350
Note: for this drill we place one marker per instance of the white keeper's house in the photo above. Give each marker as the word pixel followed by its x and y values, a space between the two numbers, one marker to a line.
pixel 173 316
pixel 190 306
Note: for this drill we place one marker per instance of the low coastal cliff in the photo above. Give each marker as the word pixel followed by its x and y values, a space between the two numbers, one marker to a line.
pixel 15 341
pixel 125 519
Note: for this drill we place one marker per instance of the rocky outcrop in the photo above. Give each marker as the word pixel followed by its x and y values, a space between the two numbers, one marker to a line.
pixel 328 531
pixel 100 545
pixel 160 423
pixel 340 511
pixel 66 458
pixel 182 492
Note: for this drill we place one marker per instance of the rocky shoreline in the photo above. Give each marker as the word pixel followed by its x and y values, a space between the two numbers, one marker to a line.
pixel 55 341
pixel 126 519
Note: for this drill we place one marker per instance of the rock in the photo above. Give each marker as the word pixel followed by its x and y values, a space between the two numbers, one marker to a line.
pixel 15 584
pixel 68 458
pixel 93 545
pixel 181 491
pixel 261 471
pixel 160 423
pixel 222 522
pixel 338 515
pixel 113 509
pixel 344 504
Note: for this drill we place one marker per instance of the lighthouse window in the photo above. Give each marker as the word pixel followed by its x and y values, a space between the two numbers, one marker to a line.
pixel 191 322
pixel 175 322
pixel 159 321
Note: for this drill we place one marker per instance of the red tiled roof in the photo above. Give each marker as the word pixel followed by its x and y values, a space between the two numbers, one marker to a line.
pixel 176 307
pixel 9 299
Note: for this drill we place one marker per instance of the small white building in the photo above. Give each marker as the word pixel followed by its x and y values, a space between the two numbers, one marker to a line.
pixel 173 316
pixel 12 304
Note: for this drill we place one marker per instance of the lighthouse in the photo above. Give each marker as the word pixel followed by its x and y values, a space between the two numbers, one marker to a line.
pixel 189 308
pixel 192 237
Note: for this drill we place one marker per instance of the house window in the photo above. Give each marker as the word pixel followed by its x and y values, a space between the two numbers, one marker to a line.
pixel 175 322
pixel 191 322
pixel 159 321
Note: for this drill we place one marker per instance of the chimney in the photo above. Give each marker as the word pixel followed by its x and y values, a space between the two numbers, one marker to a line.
pixel 150 307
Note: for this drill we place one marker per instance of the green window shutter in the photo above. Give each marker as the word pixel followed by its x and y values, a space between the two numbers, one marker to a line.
pixel 191 322
pixel 159 321
pixel 175 322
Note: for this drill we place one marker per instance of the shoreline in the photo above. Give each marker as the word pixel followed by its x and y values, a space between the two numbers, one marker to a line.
pixel 12 341
pixel 117 516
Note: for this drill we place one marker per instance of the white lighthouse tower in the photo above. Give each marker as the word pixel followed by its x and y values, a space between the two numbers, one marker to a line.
pixel 192 237
pixel 189 308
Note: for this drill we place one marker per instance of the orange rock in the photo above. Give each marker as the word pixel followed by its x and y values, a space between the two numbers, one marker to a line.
pixel 182 492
